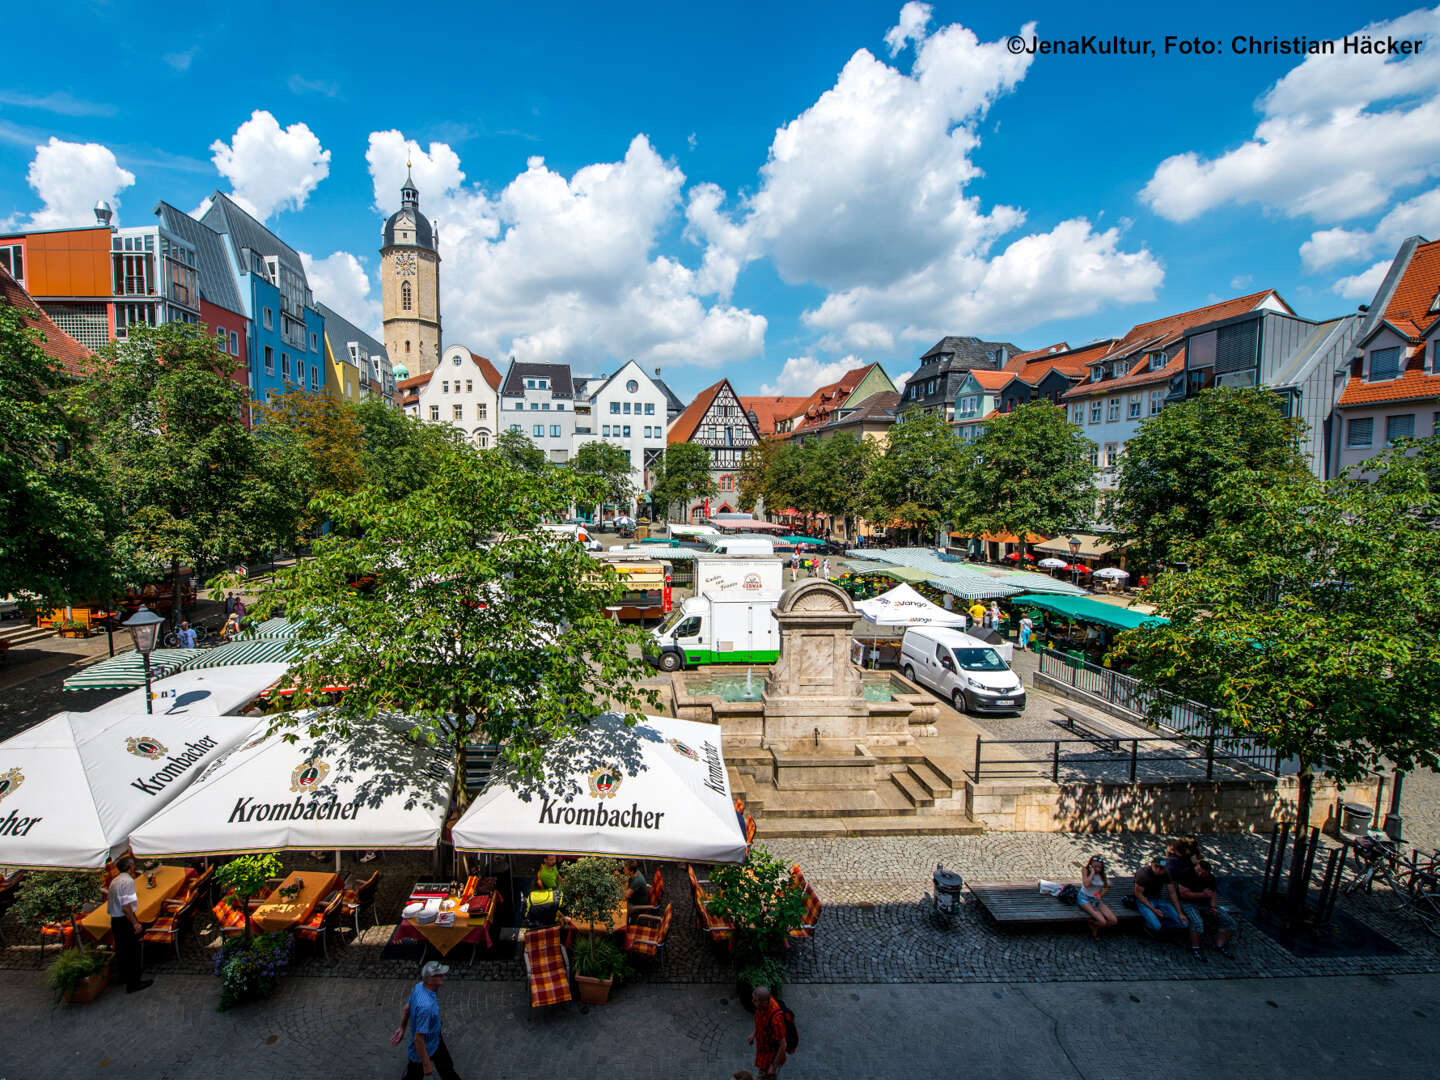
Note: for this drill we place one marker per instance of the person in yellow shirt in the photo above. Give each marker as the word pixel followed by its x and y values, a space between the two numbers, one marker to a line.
pixel 977 613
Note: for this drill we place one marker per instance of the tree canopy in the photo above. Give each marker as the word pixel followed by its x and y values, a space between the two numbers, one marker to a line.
pixel 912 481
pixel 316 440
pixel 520 452
pixel 1028 471
pixel 682 476
pixel 609 466
pixel 1166 494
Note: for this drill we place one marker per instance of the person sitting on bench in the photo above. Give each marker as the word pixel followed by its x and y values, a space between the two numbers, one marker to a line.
pixel 1093 887
pixel 1198 892
pixel 1157 901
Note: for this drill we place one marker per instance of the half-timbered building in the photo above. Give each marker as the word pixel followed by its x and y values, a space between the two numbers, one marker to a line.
pixel 718 421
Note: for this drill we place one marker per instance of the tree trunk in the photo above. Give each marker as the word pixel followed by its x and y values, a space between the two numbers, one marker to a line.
pixel 177 596
pixel 1304 796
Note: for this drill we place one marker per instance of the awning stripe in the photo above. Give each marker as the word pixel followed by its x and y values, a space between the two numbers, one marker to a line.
pixel 126 671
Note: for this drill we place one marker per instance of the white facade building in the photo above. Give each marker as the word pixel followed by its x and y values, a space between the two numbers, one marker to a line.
pixel 626 409
pixel 463 391
pixel 538 400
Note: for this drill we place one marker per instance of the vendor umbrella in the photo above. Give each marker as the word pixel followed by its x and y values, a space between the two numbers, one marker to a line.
pixel 1112 572
pixel 1015 557
pixel 903 606
pixel 655 790
pixel 1053 563
pixel 376 787
pixel 126 670
pixel 72 788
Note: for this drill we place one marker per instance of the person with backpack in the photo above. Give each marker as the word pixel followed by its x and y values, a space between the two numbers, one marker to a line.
pixel 774 1035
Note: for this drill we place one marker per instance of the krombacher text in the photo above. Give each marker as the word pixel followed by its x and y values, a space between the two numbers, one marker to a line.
pixel 302 809
pixel 179 763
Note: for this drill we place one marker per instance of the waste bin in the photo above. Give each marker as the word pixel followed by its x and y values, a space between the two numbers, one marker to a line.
pixel 1355 817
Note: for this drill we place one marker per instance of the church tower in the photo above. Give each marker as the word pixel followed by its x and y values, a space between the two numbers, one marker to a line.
pixel 410 285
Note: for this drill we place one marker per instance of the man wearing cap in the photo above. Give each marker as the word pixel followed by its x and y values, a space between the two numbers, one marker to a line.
pixel 427 1052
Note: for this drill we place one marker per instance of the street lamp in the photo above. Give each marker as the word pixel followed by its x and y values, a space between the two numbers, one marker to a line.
pixel 1074 543
pixel 144 627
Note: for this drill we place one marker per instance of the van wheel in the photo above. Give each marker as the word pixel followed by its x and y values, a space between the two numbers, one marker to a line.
pixel 958 700
pixel 669 662
pixel 909 672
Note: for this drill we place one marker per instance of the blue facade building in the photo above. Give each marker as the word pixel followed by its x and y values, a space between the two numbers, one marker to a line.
pixel 287 332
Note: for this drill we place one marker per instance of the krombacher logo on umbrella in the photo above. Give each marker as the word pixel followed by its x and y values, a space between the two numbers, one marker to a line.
pixel 302 809
pixel 179 764
pixel 14 825
pixel 715 781
pixel 599 816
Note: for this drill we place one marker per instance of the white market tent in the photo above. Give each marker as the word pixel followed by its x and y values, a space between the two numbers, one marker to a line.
pixel 126 670
pixel 903 606
pixel 199 692
pixel 73 787
pixel 376 789
pixel 657 790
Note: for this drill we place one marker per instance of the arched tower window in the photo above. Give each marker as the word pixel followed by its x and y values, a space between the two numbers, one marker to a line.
pixel 407 344
pixel 405 296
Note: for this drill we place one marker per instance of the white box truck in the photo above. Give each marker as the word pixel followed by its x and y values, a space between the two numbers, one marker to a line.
pixel 729 620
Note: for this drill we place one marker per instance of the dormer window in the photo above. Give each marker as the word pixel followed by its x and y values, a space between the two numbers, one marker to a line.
pixel 1097 373
pixel 1122 367
pixel 1435 305
pixel 1157 361
pixel 1384 364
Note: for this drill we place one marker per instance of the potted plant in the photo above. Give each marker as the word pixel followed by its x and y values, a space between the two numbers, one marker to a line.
pixel 245 877
pixel 250 967
pixel 78 975
pixel 761 901
pixel 45 899
pixel 590 891
pixel 73 628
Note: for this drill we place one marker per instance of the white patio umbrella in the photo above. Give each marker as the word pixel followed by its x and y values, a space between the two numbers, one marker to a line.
pixel 657 790
pixel 1112 572
pixel 1052 563
pixel 903 606
pixel 73 787
pixel 199 692
pixel 377 789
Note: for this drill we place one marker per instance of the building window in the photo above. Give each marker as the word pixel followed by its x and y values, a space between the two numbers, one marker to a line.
pixel 269 319
pixel 534 406
pixel 407 345
pixel 407 296
pixel 1077 414
pixel 554 431
pixel 627 430
pixel 632 386
pixel 482 440
pixel 314 345
pixel 1095 411
pixel 615 407
pixel 314 377
pixel 649 408
pixel 285 365
pixel 469 385
pixel 626 408
pixel 560 406
pixel 1112 410
pixel 1133 407
pixel 1157 399
pixel 1112 454
pixel 1157 361
pixel 1097 373
pixel 543 384
pixel 480 411
pixel 1122 367
pixel 539 431
pixel 1094 455
pixel 605 431
pixel 12 258
pixel 1359 433
pixel 545 406
pixel 516 428
pixel 269 360
pixel 434 414
pixel 1384 364
pixel 234 343
pixel 459 412
pixel 1399 427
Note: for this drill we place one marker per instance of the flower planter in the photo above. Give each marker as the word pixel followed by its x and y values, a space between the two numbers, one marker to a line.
pixel 74 633
pixel 593 991
pixel 89 988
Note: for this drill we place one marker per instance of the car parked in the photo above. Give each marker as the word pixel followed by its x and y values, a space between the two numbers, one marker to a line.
pixel 970 673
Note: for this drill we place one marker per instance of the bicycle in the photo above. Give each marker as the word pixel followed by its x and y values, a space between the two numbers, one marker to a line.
pixel 1415 881
pixel 204 637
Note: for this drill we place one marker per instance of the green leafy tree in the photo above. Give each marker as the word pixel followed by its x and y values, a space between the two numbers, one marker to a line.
pixel 1166 492
pixel 192 485
pixel 833 471
pixel 761 901
pixel 609 466
pixel 398 453
pixel 1309 620
pixel 245 876
pixel 54 513
pixel 48 897
pixel 682 476
pixel 520 452
pixel 473 623
pixel 912 482
pixel 753 476
pixel 1028 472
pixel 317 442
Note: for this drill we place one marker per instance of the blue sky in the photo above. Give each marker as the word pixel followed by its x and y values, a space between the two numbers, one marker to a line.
pixel 769 195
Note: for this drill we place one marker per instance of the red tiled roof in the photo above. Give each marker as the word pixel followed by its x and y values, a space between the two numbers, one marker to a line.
pixel 980 419
pixel 815 410
pixel 768 410
pixel 69 355
pixel 686 423
pixel 1073 363
pixel 1413 384
pixel 1022 358
pixel 1144 377
pixel 989 380
pixel 414 381
pixel 487 369
pixel 1409 307
pixel 1166 331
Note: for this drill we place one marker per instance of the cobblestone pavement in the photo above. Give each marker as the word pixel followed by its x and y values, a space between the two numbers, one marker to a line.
pixel 1286 1029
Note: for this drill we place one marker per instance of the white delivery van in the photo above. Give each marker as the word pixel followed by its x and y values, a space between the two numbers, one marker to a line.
pixel 745 545
pixel 730 620
pixel 969 672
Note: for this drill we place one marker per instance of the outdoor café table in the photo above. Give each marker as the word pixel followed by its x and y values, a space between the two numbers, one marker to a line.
pixel 169 881
pixel 618 918
pixel 468 930
pixel 281 914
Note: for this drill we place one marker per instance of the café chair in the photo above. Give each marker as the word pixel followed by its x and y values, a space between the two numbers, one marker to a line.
pixel 165 930
pixel 806 930
pixel 321 922
pixel 364 896
pixel 230 916
pixel 547 967
pixel 646 935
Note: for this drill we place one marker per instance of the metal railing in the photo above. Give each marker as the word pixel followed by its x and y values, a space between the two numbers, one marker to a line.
pixel 1178 717
pixel 1119 756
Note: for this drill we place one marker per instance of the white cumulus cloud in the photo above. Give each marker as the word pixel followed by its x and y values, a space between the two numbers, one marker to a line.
pixel 71 178
pixel 1362 286
pixel 341 282
pixel 271 168
pixel 1330 247
pixel 565 268
pixel 1338 136
pixel 804 375
pixel 863 194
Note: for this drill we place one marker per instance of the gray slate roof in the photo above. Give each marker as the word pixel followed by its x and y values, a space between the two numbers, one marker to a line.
pixel 225 215
pixel 341 331
pixel 558 374
pixel 968 352
pixel 215 273
pixel 673 405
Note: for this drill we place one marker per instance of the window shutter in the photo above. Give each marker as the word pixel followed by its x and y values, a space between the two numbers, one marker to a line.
pixel 1235 346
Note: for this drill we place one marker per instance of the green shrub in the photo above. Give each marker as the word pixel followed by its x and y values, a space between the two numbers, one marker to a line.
pixel 74 966
pixel 250 967
pixel 48 896
pixel 597 957
pixel 761 901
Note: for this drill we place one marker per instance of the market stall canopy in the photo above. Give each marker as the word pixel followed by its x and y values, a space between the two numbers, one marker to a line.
pixel 657 790
pixel 802 540
pixel 206 692
pixel 1091 546
pixel 1083 609
pixel 376 788
pixel 73 788
pixel 278 627
pixel 126 670
pixel 903 606
pixel 259 651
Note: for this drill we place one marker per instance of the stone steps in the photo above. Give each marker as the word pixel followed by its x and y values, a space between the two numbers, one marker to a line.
pixel 912 790
pixel 927 777
pixel 789 805
pixel 921 825
pixel 18 636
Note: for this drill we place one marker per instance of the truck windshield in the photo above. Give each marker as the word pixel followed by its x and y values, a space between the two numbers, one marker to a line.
pixel 671 621
pixel 979 660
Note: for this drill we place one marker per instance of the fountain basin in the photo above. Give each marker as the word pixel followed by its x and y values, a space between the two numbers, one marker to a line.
pixel 729 687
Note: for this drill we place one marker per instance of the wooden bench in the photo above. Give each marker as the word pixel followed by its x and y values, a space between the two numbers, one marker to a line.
pixel 1021 903
pixel 1089 726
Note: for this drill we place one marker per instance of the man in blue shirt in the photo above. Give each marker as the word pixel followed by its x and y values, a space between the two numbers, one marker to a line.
pixel 427 1051
pixel 186 636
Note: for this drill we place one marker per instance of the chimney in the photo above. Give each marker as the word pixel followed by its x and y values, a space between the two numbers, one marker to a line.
pixel 657 373
pixel 103 213
pixel 1364 309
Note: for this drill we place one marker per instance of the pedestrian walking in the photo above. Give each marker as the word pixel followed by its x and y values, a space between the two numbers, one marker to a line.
pixel 994 616
pixel 794 565
pixel 1026 628
pixel 427 1053
pixel 239 608
pixel 186 637
pixel 120 903
pixel 229 603
pixel 768 1038
pixel 826 570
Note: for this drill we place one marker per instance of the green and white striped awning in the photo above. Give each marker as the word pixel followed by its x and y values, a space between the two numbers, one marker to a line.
pixel 268 651
pixel 126 671
pixel 271 629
